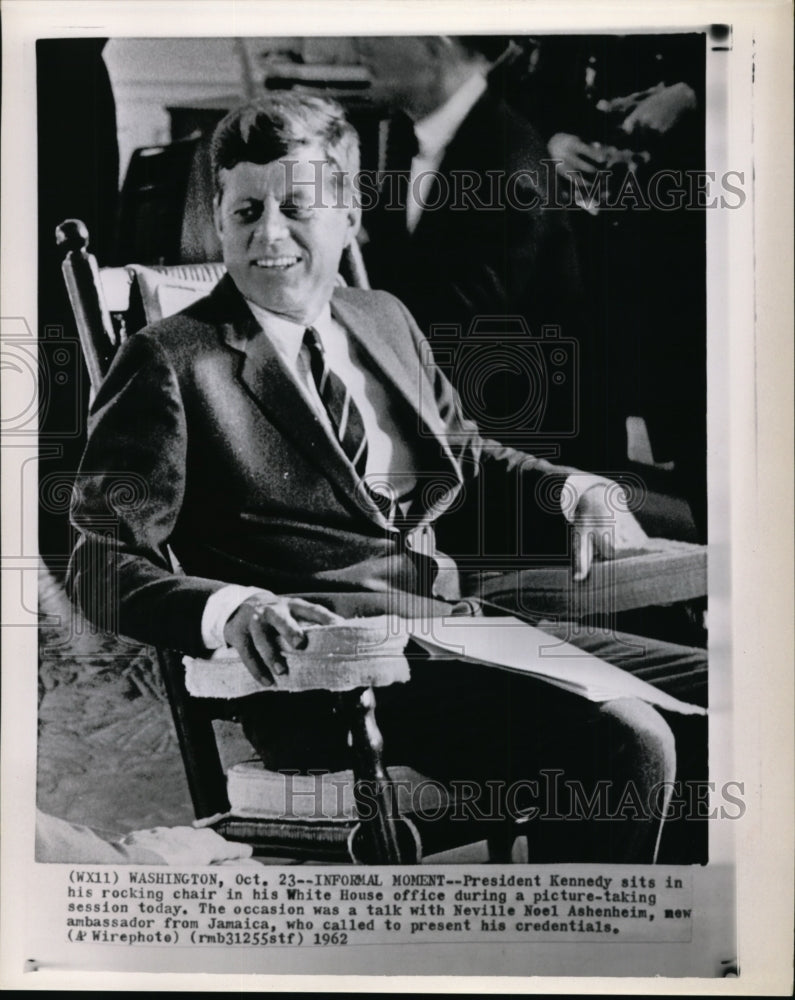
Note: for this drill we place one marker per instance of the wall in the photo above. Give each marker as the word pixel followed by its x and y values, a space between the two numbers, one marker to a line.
pixel 148 74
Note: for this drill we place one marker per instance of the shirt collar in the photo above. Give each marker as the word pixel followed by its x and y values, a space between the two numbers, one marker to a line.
pixel 286 334
pixel 435 131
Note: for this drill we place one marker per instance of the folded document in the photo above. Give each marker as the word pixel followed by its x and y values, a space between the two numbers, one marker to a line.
pixel 509 644
pixel 503 642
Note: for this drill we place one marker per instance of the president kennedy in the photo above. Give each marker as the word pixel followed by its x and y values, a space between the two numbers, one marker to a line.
pixel 299 454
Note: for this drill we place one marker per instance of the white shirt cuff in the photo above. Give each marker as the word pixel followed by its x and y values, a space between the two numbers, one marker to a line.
pixel 219 608
pixel 576 484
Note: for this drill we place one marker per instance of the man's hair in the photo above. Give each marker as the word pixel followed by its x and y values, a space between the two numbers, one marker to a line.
pixel 273 126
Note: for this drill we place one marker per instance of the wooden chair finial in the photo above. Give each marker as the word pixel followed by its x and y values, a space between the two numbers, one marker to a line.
pixel 72 234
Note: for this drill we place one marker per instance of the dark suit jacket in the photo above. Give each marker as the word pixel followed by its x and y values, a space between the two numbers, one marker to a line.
pixel 498 252
pixel 485 252
pixel 199 441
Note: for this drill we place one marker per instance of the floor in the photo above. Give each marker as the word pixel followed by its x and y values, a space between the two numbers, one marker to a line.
pixel 108 755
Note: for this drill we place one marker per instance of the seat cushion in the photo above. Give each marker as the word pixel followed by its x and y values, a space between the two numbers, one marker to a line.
pixel 258 793
pixel 359 652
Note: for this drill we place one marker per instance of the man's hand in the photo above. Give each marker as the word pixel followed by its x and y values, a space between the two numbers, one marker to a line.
pixel 574 154
pixel 624 105
pixel 603 525
pixel 256 627
pixel 661 110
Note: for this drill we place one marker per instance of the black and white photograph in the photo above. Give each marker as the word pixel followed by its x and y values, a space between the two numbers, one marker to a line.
pixel 376 489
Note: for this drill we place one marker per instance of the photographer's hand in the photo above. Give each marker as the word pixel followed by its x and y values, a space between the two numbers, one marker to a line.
pixel 255 628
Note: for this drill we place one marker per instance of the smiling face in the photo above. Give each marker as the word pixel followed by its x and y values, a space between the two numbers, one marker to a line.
pixel 283 226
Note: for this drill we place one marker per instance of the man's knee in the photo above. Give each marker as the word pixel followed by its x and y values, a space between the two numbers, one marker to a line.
pixel 647 738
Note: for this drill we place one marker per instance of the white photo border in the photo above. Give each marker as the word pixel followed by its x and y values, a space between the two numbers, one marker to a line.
pixel 750 330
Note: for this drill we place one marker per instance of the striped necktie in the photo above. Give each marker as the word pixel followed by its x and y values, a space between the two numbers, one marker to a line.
pixel 344 414
pixel 345 417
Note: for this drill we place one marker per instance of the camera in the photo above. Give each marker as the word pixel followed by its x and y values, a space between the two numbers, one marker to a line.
pixel 519 387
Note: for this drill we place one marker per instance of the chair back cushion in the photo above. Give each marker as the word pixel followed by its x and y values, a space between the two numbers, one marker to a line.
pixel 167 290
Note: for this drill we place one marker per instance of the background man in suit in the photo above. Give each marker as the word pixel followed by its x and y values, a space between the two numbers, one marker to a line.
pixel 638 101
pixel 293 445
pixel 474 236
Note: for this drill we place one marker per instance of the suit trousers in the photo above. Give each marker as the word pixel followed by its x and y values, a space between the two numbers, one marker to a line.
pixel 594 778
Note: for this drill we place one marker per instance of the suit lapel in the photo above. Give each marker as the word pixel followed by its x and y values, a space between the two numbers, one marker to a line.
pixel 274 391
pixel 405 376
pixel 272 388
pixel 384 358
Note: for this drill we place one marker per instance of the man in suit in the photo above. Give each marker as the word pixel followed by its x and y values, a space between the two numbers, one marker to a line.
pixel 295 447
pixel 639 100
pixel 476 232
